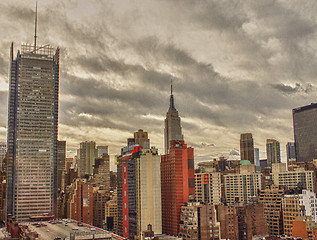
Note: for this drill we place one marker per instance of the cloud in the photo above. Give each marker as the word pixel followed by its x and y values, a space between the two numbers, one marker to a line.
pixel 298 88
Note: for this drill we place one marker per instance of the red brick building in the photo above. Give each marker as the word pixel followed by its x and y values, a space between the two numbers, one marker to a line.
pixel 81 201
pixel 178 183
pixel 305 228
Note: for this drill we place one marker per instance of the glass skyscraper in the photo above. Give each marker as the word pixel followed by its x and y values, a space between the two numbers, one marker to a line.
pixel 32 132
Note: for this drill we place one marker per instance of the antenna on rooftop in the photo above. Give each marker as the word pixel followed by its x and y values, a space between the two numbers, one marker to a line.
pixel 35 32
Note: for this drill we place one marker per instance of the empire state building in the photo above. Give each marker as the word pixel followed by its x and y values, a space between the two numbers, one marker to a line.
pixel 173 129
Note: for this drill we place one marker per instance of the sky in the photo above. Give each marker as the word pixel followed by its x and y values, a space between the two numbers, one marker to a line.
pixel 237 66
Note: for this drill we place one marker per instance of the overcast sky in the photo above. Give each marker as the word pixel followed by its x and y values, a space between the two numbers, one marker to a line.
pixel 237 66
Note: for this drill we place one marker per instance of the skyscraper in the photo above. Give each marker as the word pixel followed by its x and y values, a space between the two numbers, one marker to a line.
pixel 61 158
pixel 273 152
pixel 173 129
pixel 87 154
pixel 177 184
pixel 32 131
pixel 246 147
pixel 290 151
pixel 305 132
pixel 257 159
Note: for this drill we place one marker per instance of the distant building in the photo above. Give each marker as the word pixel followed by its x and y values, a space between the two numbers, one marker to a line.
pixel 111 217
pixel 242 187
pixel 61 159
pixel 177 183
pixel 305 132
pixel 173 129
pixel 141 138
pixel 102 150
pixel 304 228
pixel 290 151
pixel 273 152
pixel 3 152
pixel 291 209
pixel 87 154
pixel 272 201
pixel 199 221
pixel 101 171
pixel 99 202
pixel 257 159
pixel 298 179
pixel 247 147
pixel 208 187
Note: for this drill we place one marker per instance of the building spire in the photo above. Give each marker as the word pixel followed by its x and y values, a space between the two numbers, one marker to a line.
pixel 172 106
pixel 35 32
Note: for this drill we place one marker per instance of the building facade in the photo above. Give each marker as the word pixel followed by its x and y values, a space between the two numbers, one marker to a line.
pixel 273 152
pixel 177 183
pixel 247 147
pixel 305 132
pixel 32 132
pixel 3 152
pixel 208 187
pixel 87 154
pixel 290 151
pixel 61 159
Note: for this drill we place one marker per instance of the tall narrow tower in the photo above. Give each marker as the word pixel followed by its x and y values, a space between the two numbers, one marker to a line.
pixel 246 147
pixel 32 131
pixel 173 129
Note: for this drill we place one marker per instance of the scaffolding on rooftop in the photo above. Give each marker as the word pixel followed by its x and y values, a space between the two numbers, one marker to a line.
pixel 44 50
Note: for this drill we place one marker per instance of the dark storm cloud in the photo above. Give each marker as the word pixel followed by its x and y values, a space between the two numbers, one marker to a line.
pixel 298 88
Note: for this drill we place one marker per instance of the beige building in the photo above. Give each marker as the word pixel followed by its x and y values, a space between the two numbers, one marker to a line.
pixel 208 187
pixel 149 191
pixel 242 187
pixel 86 154
pixel 292 179
pixel 291 209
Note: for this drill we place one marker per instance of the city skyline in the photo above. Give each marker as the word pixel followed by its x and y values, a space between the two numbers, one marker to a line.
pixel 236 67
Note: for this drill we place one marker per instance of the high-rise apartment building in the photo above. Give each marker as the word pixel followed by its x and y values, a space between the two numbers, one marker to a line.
pixel 208 187
pixel 177 183
pixel 61 159
pixel 271 198
pixel 32 131
pixel 247 147
pixel 273 152
pixel 305 132
pixel 173 129
pixel 299 178
pixel 87 154
pixel 242 187
pixel 3 152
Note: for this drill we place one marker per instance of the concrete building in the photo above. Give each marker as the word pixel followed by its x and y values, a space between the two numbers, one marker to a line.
pixel 141 138
pixel 298 179
pixel 208 187
pixel 199 221
pixel 100 197
pixel 273 152
pixel 247 147
pixel 271 198
pixel 81 201
pixel 291 209
pixel 101 171
pixel 87 154
pixel 177 183
pixel 111 218
pixel 149 210
pixel 173 129
pixel 242 187
pixel 305 132
pixel 101 150
pixel 32 131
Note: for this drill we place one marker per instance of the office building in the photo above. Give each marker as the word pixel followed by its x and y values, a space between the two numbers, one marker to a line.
pixel 290 151
pixel 305 132
pixel 242 187
pixel 271 197
pixel 101 171
pixel 61 159
pixel 32 131
pixel 173 129
pixel 199 221
pixel 273 152
pixel 149 210
pixel 298 179
pixel 246 147
pixel 141 138
pixel 87 154
pixel 177 183
pixel 208 187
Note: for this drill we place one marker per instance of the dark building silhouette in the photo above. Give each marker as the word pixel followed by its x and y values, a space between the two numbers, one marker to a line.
pixel 247 147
